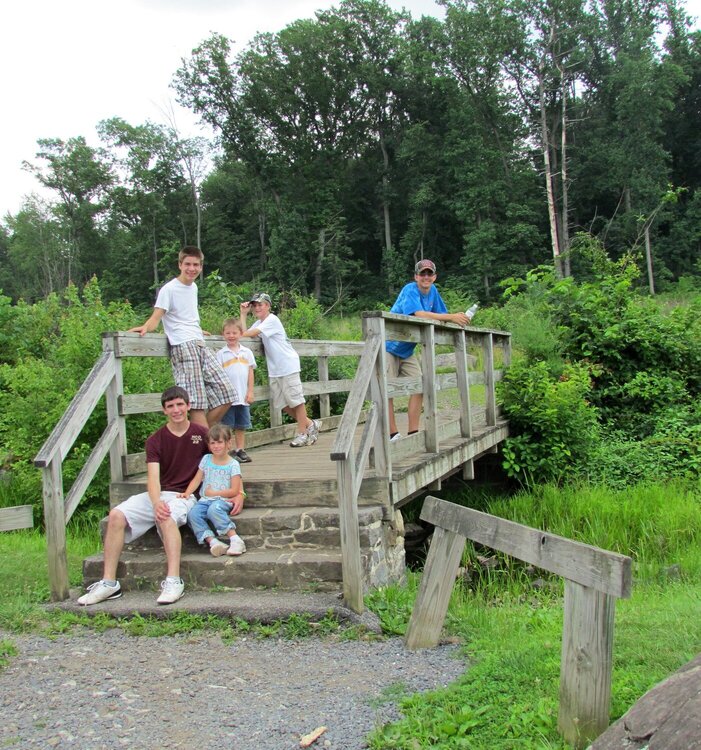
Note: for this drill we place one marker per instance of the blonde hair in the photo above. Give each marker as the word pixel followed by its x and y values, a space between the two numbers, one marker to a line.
pixel 232 322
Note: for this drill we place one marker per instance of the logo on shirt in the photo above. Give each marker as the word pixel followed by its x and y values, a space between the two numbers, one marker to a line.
pixel 196 439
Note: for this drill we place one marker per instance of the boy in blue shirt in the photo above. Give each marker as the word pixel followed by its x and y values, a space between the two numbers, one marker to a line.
pixel 420 298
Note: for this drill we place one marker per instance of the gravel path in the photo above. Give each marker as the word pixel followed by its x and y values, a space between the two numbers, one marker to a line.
pixel 99 691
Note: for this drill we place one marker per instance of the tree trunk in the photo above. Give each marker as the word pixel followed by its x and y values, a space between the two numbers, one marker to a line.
pixel 552 214
pixel 389 252
pixel 319 262
pixel 648 258
pixel 565 221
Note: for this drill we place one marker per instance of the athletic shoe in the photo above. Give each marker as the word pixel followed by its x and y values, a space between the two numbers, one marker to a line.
pixel 313 431
pixel 236 546
pixel 100 592
pixel 395 437
pixel 242 457
pixel 301 440
pixel 217 548
pixel 171 591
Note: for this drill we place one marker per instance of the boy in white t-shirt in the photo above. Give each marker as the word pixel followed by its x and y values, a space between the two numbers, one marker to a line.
pixel 283 367
pixel 238 363
pixel 195 368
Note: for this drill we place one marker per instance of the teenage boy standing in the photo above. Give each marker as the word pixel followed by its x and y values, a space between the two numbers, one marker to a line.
pixel 420 298
pixel 195 367
pixel 173 454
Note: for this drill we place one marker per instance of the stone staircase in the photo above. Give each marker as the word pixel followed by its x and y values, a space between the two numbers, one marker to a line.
pixel 291 530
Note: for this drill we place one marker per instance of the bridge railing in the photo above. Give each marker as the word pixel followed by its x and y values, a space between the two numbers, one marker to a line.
pixel 106 380
pixel 372 384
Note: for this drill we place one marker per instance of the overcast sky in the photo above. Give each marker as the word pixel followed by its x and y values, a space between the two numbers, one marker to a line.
pixel 67 65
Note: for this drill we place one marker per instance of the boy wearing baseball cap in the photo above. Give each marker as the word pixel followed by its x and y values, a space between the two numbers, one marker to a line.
pixel 283 367
pixel 420 298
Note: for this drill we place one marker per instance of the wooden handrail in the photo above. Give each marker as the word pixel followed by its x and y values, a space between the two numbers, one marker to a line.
pixel 594 578
pixel 62 437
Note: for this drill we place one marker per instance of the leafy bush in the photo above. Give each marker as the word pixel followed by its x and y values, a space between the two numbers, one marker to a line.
pixel 554 426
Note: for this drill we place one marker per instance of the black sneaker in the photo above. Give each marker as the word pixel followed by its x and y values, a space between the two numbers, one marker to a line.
pixel 242 457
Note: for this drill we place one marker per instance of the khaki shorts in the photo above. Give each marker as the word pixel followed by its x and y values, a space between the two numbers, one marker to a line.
pixel 286 391
pixel 138 510
pixel 403 368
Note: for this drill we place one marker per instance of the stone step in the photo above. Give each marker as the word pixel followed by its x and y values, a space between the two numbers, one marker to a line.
pixel 291 570
pixel 282 528
pixel 275 493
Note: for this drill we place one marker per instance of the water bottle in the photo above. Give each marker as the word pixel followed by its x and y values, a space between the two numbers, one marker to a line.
pixel 470 312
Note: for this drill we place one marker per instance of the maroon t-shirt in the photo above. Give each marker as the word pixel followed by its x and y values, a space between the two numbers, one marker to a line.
pixel 179 457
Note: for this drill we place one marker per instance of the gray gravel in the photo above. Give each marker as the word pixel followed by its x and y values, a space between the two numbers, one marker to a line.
pixel 99 691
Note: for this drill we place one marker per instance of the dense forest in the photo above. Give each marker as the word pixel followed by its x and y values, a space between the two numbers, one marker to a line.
pixel 351 144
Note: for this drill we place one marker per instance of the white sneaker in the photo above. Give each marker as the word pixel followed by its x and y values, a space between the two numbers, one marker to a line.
pixel 313 431
pixel 100 592
pixel 217 548
pixel 301 440
pixel 236 546
pixel 171 591
pixel 395 437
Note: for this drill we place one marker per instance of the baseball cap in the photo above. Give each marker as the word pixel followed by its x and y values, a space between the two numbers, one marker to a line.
pixel 424 265
pixel 261 297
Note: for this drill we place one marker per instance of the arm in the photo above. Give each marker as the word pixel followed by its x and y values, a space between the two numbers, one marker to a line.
pixel 226 492
pixel 194 484
pixel 244 309
pixel 460 318
pixel 151 324
pixel 249 392
pixel 153 487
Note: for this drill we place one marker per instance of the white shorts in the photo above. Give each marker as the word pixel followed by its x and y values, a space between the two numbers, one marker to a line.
pixel 286 391
pixel 138 510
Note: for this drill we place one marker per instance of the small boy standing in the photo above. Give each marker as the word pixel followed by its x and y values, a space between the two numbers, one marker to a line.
pixel 238 363
pixel 195 368
pixel 283 367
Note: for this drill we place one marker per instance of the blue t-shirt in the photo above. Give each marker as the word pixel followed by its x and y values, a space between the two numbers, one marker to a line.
pixel 410 301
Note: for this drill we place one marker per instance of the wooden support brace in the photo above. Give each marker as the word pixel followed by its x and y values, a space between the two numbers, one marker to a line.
pixel 431 606
pixel 585 669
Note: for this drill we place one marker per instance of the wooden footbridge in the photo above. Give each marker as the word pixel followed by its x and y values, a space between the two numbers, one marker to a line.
pixel 315 517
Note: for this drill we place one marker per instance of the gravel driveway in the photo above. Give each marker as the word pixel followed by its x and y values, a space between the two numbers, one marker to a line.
pixel 99 691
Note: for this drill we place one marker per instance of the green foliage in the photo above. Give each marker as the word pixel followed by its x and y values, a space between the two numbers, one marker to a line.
pixel 555 427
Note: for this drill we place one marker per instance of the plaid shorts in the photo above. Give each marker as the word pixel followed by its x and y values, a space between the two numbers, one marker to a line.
pixel 196 369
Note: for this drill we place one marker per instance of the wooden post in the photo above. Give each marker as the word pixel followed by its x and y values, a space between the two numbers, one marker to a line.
pixel 489 390
pixel 350 538
pixel 378 393
pixel 431 606
pixel 324 398
pixel 463 384
pixel 55 529
pixel 585 669
pixel 115 390
pixel 430 404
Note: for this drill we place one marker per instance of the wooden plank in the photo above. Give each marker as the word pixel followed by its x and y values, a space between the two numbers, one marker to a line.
pixel 361 457
pixel 156 345
pixel 431 605
pixel 16 517
pixel 604 571
pixel 378 395
pixel 149 403
pixel 101 449
pixel 52 480
pixel 350 539
pixel 118 448
pixel 78 412
pixel 430 404
pixel 585 667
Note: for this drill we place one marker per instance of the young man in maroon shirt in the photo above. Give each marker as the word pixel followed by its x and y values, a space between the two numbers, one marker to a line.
pixel 173 454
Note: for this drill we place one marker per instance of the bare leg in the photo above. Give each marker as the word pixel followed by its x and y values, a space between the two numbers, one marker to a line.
pixel 114 543
pixel 415 403
pixel 299 414
pixel 239 436
pixel 215 415
pixel 392 420
pixel 172 544
pixel 198 417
